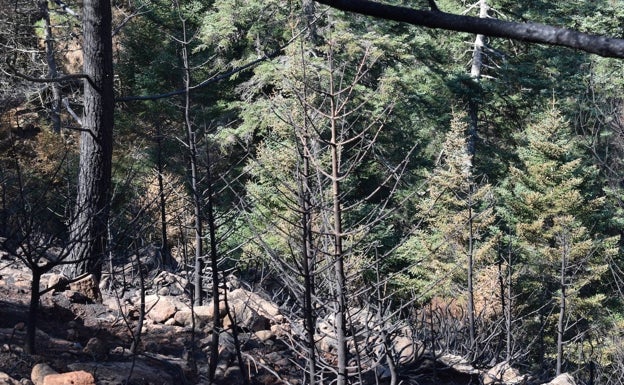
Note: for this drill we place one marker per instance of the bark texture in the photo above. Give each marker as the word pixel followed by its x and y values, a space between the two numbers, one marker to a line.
pixel 88 228
pixel 530 32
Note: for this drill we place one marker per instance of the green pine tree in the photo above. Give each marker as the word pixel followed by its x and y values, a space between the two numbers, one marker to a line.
pixel 452 239
pixel 559 262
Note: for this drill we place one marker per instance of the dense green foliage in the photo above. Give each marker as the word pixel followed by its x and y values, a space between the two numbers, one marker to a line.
pixel 526 227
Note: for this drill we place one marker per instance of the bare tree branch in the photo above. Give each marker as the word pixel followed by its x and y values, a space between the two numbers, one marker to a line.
pixel 529 32
pixel 59 79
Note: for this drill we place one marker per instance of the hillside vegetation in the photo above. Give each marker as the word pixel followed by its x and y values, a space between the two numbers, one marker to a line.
pixel 362 200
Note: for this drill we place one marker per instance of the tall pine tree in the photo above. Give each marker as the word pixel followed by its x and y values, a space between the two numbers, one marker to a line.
pixel 559 261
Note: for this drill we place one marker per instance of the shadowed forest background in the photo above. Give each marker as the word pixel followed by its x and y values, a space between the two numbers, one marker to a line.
pixel 377 182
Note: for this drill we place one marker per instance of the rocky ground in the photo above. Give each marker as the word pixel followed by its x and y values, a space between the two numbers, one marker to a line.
pixel 80 341
pixel 77 334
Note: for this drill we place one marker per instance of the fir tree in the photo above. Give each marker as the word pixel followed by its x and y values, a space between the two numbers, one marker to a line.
pixel 453 238
pixel 559 260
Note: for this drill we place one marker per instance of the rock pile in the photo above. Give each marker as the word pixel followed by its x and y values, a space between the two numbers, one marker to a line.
pixel 267 337
pixel 503 373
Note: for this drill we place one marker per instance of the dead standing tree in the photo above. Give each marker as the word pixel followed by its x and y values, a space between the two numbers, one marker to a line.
pixel 528 32
pixel 322 137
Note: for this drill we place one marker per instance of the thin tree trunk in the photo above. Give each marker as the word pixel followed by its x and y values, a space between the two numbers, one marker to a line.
pixel 508 319
pixel 214 264
pixel 385 336
pixel 192 147
pixel 307 256
pixel 340 312
pixel 136 336
pixel 562 305
pixel 471 309
pixel 543 316
pixel 55 113
pixel 88 227
pixel 33 308
pixel 308 263
pixel 167 261
pixel 475 74
pixel 473 129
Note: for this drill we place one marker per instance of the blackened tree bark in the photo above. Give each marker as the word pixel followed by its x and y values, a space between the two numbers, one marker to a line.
pixel 340 313
pixel 341 305
pixel 89 224
pixel 473 129
pixel 563 296
pixel 191 143
pixel 529 32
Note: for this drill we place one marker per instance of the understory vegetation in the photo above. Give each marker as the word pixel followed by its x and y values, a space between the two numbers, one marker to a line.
pixel 465 188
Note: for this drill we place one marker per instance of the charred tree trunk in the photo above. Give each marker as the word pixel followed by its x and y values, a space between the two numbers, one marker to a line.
pixel 305 201
pixel 473 129
pixel 338 254
pixel 307 261
pixel 565 253
pixel 191 142
pixel 528 32
pixel 88 227
pixel 214 265
pixel 470 270
pixel 31 326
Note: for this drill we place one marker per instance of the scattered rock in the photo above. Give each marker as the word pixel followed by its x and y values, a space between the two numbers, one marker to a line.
pixel 5 379
pixel 406 349
pixel 264 335
pixel 252 311
pixel 562 379
pixel 58 281
pixel 281 329
pixel 203 314
pixel 159 309
pixel 232 282
pixel 88 287
pixel 457 363
pixel 71 378
pixel 208 310
pixel 170 284
pixel 39 372
pixel 163 291
pixel 503 373
pixel 183 318
pixel 97 348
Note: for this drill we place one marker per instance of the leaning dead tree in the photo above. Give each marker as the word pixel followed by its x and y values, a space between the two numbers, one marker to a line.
pixel 528 32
